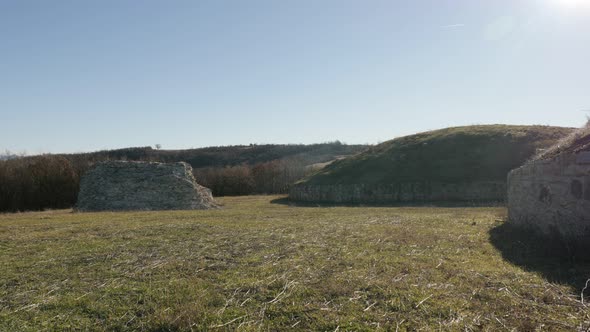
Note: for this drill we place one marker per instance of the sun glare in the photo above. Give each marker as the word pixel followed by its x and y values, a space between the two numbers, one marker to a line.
pixel 572 4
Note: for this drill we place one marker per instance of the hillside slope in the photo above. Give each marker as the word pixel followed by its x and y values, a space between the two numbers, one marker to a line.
pixel 418 165
pixel 221 156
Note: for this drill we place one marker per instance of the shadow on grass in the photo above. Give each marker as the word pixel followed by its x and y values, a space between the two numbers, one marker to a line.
pixel 464 204
pixel 551 256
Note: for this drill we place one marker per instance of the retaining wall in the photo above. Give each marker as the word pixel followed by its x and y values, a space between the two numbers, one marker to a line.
pixel 400 192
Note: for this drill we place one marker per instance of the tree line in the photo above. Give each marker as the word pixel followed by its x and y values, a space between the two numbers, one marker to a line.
pixel 52 181
pixel 222 156
pixel 273 177
pixel 37 183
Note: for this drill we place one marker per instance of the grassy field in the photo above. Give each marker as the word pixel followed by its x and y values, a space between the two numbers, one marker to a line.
pixel 259 265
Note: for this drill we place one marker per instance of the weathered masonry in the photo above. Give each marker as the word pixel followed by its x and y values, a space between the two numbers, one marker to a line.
pixel 121 185
pixel 484 191
pixel 553 196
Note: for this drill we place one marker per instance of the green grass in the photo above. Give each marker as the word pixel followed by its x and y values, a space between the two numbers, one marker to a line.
pixel 255 265
pixel 453 155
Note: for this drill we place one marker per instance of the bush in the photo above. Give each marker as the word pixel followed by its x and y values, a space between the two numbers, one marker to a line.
pixel 37 183
pixel 273 177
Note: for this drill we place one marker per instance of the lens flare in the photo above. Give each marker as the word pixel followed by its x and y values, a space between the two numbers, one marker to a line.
pixel 572 4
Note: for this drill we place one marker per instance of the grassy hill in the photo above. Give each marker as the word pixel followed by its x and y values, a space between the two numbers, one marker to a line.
pixel 222 156
pixel 458 154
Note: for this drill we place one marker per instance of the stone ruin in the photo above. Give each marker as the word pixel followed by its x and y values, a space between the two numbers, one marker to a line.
pixel 129 185
pixel 551 195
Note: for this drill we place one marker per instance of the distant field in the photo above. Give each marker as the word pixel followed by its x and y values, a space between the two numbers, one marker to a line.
pixel 255 265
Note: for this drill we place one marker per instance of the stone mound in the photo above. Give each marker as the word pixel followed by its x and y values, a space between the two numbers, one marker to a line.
pixel 124 185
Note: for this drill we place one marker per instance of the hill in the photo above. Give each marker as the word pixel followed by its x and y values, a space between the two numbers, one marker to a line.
pixel 222 156
pixel 52 181
pixel 436 165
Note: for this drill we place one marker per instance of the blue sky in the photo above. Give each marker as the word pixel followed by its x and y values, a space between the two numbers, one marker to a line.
pixel 90 75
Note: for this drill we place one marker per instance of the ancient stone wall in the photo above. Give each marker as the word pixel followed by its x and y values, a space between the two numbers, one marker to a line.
pixel 552 196
pixel 120 185
pixel 400 192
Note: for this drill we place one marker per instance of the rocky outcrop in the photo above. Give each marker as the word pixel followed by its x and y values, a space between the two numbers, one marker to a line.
pixel 552 196
pixel 481 191
pixel 121 185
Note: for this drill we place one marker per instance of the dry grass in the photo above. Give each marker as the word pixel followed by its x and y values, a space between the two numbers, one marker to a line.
pixel 260 266
pixel 568 143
